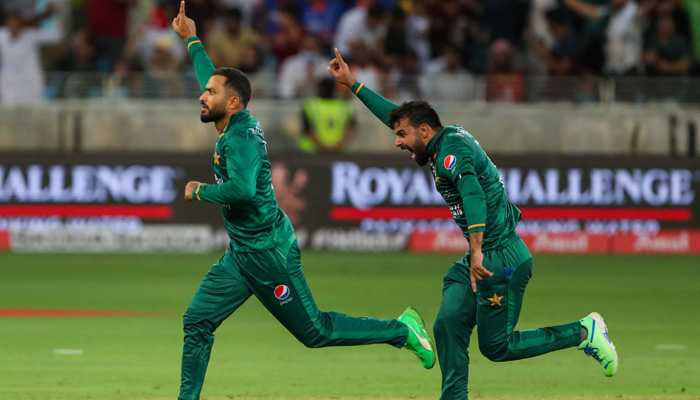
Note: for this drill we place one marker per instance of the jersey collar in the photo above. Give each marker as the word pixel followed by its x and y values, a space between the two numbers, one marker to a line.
pixel 434 144
pixel 237 117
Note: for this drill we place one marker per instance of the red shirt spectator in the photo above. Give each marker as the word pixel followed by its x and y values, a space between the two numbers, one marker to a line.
pixel 108 17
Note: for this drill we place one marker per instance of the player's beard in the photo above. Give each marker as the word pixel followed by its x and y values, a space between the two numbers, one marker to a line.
pixel 422 156
pixel 214 114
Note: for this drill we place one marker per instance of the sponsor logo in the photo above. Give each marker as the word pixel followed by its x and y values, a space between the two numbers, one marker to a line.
pixel 449 162
pixel 545 243
pixel 600 186
pixel 663 243
pixel 368 187
pixel 134 184
pixel 282 292
pixel 356 240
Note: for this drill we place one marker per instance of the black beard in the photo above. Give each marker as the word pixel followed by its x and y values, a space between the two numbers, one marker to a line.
pixel 213 116
pixel 422 158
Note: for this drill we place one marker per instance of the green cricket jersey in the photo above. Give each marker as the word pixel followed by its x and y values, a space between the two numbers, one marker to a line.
pixel 465 177
pixel 243 186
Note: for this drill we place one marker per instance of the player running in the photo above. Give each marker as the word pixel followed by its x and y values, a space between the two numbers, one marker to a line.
pixel 487 286
pixel 263 256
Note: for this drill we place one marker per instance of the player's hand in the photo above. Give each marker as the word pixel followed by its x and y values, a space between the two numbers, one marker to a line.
pixel 340 70
pixel 476 268
pixel 189 188
pixel 183 26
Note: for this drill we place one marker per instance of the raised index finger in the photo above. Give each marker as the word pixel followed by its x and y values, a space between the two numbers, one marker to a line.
pixel 337 55
pixel 182 9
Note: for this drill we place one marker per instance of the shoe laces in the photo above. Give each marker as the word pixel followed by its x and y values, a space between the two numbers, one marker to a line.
pixel 591 351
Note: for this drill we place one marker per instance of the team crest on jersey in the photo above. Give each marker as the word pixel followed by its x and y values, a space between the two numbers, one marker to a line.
pixel 449 162
pixel 282 292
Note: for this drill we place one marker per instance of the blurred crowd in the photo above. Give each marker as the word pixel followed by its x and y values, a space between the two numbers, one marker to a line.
pixel 404 49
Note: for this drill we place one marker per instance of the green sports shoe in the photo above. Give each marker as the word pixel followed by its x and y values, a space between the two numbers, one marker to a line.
pixel 419 341
pixel 598 345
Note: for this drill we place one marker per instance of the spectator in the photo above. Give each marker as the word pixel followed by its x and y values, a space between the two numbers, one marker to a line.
pixel 249 9
pixel 365 68
pixel 321 17
pixel 403 78
pixel 108 24
pixel 505 19
pixel 417 29
pixel 364 22
pixel 329 122
pixel 538 31
pixel 21 74
pixel 162 64
pixel 504 80
pixel 75 59
pixel 156 36
pixel 692 8
pixel 226 46
pixel 446 78
pixel 395 42
pixel 673 8
pixel 444 17
pixel 297 71
pixel 560 58
pixel 623 34
pixel 287 39
pixel 667 52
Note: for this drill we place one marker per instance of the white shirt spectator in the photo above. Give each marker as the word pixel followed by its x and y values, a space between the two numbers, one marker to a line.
pixel 21 75
pixel 445 79
pixel 353 27
pixel 623 47
pixel 299 73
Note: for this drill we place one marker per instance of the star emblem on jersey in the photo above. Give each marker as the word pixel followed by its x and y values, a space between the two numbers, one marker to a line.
pixel 495 300
pixel 449 162
pixel 216 158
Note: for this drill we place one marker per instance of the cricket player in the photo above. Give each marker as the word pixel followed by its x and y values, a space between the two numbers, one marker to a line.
pixel 486 287
pixel 263 256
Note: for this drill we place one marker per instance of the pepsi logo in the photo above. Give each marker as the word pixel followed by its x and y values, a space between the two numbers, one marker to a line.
pixel 282 292
pixel 449 162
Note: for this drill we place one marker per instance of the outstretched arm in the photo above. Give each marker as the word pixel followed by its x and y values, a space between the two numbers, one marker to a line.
pixel 379 106
pixel 186 29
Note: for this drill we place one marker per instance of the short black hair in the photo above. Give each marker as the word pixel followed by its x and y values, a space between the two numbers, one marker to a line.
pixel 418 112
pixel 326 88
pixel 237 81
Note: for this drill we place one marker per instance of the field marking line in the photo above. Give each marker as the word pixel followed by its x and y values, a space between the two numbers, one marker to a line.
pixel 68 352
pixel 676 347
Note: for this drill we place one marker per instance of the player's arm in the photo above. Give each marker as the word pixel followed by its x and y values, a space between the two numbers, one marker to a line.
pixel 186 29
pixel 379 106
pixel 243 162
pixel 474 203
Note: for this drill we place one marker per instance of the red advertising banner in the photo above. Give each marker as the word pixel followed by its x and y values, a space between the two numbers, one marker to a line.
pixel 566 243
pixel 4 240
pixel 541 243
pixel 664 242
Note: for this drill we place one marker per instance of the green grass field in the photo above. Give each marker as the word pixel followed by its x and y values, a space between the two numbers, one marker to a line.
pixel 651 304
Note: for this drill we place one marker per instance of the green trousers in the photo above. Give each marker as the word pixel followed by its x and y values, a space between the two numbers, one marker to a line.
pixel 495 308
pixel 276 279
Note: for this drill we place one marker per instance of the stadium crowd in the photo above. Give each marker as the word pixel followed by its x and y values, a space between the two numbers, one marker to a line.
pixel 405 49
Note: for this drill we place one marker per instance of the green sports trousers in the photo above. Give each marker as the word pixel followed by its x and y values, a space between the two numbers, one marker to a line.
pixel 275 277
pixel 495 308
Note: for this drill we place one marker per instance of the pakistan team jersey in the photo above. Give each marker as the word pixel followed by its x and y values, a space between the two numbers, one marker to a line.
pixel 243 186
pixel 465 177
